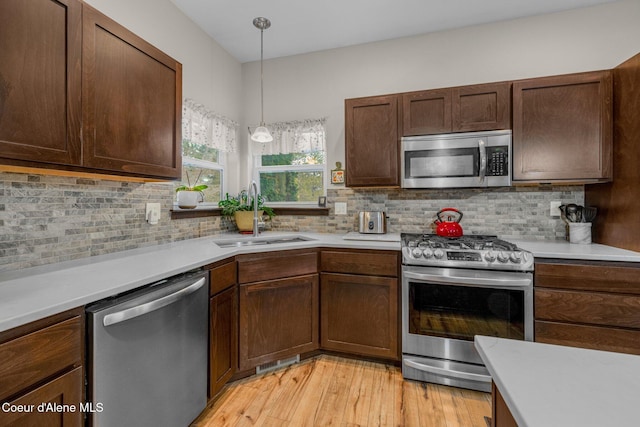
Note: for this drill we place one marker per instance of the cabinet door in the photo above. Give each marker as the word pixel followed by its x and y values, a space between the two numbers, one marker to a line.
pixel 223 338
pixel 278 319
pixel 40 47
pixel 372 142
pixel 64 390
pixel 132 102
pixel 426 112
pixel 481 107
pixel 562 128
pixel 359 314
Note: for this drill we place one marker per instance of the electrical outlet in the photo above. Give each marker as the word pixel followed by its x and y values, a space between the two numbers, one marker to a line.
pixel 554 208
pixel 341 208
pixel 152 213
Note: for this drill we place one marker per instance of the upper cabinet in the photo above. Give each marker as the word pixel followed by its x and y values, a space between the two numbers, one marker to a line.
pixel 372 142
pixel 562 128
pixel 132 101
pixel 80 92
pixel 40 46
pixel 459 109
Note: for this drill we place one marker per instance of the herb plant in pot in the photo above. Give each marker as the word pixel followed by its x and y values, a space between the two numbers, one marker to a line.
pixel 188 195
pixel 241 208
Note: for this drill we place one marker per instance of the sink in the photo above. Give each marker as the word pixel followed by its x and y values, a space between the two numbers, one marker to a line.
pixel 260 241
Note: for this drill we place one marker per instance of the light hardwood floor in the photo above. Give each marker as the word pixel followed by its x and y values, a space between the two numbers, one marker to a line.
pixel 333 391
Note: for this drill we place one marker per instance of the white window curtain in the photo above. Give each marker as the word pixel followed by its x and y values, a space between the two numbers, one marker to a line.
pixel 300 136
pixel 202 126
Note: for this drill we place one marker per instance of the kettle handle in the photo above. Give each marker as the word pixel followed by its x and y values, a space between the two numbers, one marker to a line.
pixel 451 210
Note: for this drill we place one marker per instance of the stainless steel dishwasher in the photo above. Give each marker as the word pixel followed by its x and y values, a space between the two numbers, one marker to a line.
pixel 147 354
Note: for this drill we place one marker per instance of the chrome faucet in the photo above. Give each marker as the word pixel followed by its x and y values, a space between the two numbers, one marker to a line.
pixel 254 187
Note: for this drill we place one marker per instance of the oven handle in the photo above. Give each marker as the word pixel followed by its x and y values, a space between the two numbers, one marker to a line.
pixel 512 283
pixel 452 373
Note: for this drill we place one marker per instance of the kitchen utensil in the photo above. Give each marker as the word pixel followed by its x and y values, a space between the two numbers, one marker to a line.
pixel 590 213
pixel 448 225
pixel 571 211
pixel 579 214
pixel 563 213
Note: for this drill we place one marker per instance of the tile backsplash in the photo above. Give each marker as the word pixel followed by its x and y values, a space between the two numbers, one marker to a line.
pixel 46 219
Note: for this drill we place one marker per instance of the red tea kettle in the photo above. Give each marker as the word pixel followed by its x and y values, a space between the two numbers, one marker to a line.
pixel 448 227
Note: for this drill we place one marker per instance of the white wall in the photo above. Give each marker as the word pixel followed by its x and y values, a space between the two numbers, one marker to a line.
pixel 315 85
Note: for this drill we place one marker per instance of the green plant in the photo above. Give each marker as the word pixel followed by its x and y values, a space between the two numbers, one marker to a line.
pixel 242 202
pixel 193 187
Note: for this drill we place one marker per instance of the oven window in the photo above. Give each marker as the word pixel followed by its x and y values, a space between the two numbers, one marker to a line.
pixel 447 163
pixel 461 312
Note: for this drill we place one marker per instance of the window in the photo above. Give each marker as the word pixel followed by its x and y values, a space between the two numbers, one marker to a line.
pixel 207 137
pixel 292 168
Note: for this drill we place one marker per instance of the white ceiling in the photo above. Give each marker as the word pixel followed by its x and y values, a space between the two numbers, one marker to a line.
pixel 301 26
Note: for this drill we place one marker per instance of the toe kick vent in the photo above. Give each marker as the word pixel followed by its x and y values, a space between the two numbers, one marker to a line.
pixel 272 366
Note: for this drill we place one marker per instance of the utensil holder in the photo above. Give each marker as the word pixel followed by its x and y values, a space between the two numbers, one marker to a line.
pixel 580 233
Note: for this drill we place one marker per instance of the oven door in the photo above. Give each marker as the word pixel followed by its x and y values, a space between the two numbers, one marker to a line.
pixel 444 308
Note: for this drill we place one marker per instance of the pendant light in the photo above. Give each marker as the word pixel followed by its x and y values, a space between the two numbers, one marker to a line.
pixel 261 134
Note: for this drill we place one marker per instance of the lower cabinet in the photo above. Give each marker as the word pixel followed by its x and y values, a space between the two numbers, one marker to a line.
pixel 223 324
pixel 588 304
pixel 359 302
pixel 501 415
pixel 278 319
pixel 359 314
pixel 42 364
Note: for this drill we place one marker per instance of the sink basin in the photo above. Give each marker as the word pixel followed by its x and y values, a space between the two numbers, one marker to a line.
pixel 259 241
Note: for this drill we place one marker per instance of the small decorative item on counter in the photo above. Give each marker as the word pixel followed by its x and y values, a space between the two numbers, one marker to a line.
pixel 578 220
pixel 448 225
pixel 188 195
pixel 337 174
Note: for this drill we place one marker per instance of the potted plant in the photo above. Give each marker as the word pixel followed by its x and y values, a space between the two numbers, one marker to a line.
pixel 188 195
pixel 241 208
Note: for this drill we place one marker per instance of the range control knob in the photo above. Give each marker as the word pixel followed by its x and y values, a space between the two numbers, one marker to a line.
pixel 427 253
pixel 490 256
pixel 515 257
pixel 503 257
pixel 438 253
pixel 417 253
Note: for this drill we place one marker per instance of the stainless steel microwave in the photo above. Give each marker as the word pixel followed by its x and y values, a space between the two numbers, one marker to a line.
pixel 457 160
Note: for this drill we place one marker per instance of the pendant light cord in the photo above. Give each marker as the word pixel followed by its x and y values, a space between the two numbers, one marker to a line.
pixel 261 78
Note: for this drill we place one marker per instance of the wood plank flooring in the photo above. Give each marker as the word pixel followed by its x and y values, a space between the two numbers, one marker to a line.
pixel 333 391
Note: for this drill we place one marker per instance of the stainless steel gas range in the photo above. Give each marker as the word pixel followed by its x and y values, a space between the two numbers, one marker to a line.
pixel 454 289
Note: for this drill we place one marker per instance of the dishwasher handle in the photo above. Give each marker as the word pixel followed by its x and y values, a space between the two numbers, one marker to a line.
pixel 130 313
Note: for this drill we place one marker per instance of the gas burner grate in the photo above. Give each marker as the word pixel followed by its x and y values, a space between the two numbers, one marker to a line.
pixel 468 242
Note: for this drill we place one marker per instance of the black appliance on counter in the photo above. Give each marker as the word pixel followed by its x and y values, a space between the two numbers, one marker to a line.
pixel 454 289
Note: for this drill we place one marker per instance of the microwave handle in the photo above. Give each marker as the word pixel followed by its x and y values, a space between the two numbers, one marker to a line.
pixel 483 159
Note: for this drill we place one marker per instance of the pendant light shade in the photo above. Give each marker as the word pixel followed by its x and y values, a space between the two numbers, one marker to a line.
pixel 261 134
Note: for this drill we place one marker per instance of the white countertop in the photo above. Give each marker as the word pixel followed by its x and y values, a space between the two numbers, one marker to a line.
pixel 35 293
pixel 556 386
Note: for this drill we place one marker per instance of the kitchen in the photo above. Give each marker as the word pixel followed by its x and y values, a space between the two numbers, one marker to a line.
pixel 515 213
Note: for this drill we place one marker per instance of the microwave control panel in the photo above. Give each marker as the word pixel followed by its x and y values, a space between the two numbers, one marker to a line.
pixel 497 161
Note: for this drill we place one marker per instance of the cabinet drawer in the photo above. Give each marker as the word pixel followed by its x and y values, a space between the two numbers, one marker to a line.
pixel 606 277
pixel 276 265
pixel 372 263
pixel 31 358
pixel 593 337
pixel 221 277
pixel 588 307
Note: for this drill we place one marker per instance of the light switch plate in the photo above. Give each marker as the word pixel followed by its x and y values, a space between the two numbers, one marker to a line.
pixel 341 208
pixel 152 213
pixel 554 208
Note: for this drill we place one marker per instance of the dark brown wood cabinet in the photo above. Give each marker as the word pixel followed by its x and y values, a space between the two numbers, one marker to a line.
pixel 359 303
pixel 79 92
pixel 562 128
pixel 40 80
pixel 372 142
pixel 132 101
pixel 460 109
pixel 588 304
pixel 42 362
pixel 223 326
pixel 500 415
pixel 278 305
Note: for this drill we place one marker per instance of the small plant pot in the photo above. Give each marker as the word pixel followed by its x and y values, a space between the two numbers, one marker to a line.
pixel 244 220
pixel 189 199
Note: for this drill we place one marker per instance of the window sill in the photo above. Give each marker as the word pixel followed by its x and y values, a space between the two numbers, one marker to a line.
pixel 178 213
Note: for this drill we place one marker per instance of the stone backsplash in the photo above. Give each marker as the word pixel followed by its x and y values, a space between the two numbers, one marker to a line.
pixel 46 219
